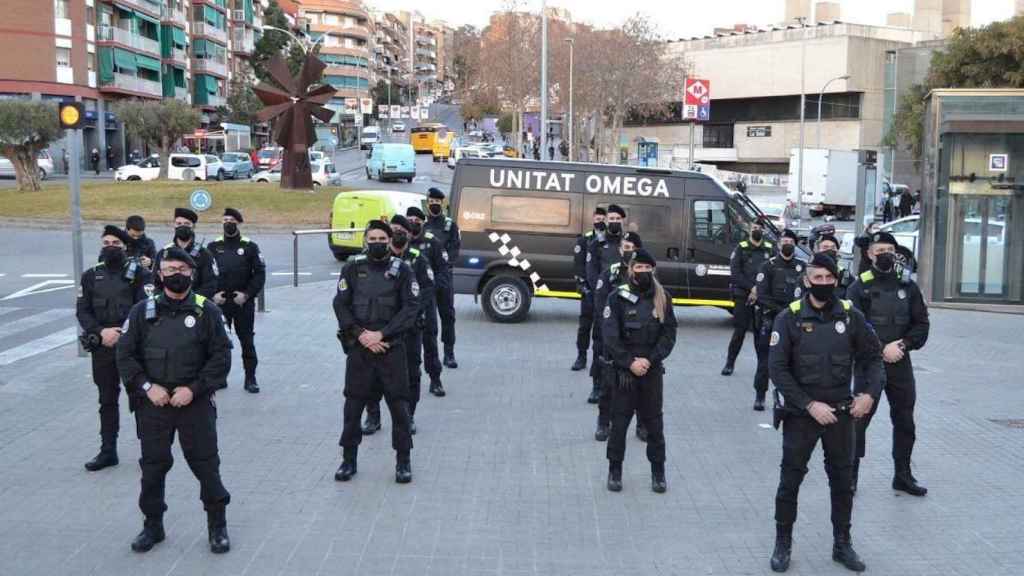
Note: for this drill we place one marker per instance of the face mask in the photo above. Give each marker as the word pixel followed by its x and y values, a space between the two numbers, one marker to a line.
pixel 822 292
pixel 756 235
pixel 230 229
pixel 615 228
pixel 183 233
pixel 178 283
pixel 627 255
pixel 599 226
pixel 377 250
pixel 112 256
pixel 434 209
pixel 400 240
pixel 788 250
pixel 885 262
pixel 833 253
pixel 643 280
pixel 416 229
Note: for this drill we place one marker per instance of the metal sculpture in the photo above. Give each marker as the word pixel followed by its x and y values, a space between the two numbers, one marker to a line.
pixel 294 105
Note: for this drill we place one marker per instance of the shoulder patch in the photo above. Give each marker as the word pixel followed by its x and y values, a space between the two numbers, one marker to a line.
pixel 359 257
pixel 775 339
pixel 795 306
pixel 625 294
pixel 589 234
pixel 342 285
pixel 744 244
pixel 414 252
pixel 607 312
pixel 767 244
pixel 867 276
pixel 428 234
pixel 576 249
pixel 414 286
pixel 246 239
pixel 847 305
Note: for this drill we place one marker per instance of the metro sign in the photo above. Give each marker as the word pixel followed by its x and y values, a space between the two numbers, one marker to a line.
pixel 697 99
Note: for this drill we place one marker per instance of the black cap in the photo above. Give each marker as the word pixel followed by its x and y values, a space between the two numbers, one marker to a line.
pixel 435 193
pixel 186 214
pixel 415 212
pixel 633 238
pixel 616 209
pixel 234 214
pixel 177 255
pixel 379 225
pixel 884 238
pixel 829 238
pixel 600 211
pixel 400 220
pixel 135 222
pixel 642 256
pixel 787 233
pixel 116 232
pixel 822 260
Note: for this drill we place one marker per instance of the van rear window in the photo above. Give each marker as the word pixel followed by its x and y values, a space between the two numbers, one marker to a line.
pixel 530 210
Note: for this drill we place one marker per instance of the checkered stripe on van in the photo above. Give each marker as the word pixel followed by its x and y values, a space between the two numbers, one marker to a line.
pixel 516 259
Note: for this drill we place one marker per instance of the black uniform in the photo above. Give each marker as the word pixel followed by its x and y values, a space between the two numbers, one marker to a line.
pixel 586 290
pixel 616 275
pixel 778 284
pixel 204 277
pixel 379 296
pixel 142 246
pixel 745 263
pixel 602 254
pixel 176 343
pixel 446 231
pixel 896 310
pixel 812 356
pixel 431 250
pixel 240 268
pixel 632 331
pixel 104 300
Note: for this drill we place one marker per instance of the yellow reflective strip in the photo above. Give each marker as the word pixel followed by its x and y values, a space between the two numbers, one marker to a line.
pixel 556 294
pixel 699 302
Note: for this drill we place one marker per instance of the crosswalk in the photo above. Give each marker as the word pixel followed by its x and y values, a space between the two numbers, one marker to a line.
pixel 28 332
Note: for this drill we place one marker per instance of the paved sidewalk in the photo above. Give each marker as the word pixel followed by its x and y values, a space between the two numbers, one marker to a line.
pixel 508 478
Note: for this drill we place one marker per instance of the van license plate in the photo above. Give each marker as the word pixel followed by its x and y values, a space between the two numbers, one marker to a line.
pixel 345 235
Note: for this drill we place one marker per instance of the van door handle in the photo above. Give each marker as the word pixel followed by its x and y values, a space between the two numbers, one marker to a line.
pixel 672 253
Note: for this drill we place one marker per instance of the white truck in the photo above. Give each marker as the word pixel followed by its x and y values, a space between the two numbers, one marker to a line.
pixel 830 181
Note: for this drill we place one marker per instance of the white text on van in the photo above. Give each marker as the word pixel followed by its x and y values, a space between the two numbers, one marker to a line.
pixel 562 182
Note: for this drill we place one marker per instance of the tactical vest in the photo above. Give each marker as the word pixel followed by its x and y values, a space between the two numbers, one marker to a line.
pixel 234 271
pixel 441 228
pixel 754 258
pixel 608 253
pixel 375 292
pixel 172 343
pixel 823 354
pixel 888 307
pixel 785 284
pixel 112 295
pixel 641 328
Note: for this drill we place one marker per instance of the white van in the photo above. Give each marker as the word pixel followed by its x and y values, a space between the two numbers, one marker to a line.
pixel 371 135
pixel 183 167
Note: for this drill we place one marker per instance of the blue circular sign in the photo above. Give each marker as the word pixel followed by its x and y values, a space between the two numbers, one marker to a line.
pixel 201 200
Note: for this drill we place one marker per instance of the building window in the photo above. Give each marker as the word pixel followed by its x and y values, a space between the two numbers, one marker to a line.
pixel 530 210
pixel 61 9
pixel 91 59
pixel 718 135
pixel 64 57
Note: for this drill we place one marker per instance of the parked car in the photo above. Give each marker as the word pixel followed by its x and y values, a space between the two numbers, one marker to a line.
pixel 905 230
pixel 391 161
pixel 183 167
pixel 317 156
pixel 324 174
pixel 272 174
pixel 398 127
pixel 214 167
pixel 488 150
pixel 44 163
pixel 267 157
pixel 465 152
pixel 237 165
pixel 779 213
pixel 371 135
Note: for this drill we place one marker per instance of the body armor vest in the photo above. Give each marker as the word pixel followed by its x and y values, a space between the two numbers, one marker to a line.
pixel 823 356
pixel 375 297
pixel 888 307
pixel 113 295
pixel 173 343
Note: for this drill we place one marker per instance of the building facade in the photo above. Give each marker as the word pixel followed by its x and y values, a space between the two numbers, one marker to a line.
pixel 391 52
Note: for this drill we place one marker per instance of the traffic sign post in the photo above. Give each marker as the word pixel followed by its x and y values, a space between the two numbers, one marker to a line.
pixel 200 200
pixel 696 106
pixel 71 116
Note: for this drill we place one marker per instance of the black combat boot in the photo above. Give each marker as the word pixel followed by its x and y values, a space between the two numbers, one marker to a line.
pixel 641 431
pixel 449 359
pixel 759 401
pixel 151 535
pixel 348 465
pixel 436 388
pixel 595 393
pixel 730 366
pixel 854 475
pixel 614 476
pixel 250 383
pixel 403 470
pixel 217 530
pixel 843 553
pixel 601 434
pixel 658 483
pixel 372 422
pixel 107 456
pixel 783 547
pixel 905 481
pixel 581 362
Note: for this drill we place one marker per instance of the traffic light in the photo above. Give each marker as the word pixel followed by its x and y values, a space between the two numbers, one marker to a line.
pixel 72 115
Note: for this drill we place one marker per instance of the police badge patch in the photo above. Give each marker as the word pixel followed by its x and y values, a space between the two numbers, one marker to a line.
pixel 430 273
pixel 576 250
pixel 774 340
pixel 342 285
pixel 241 251
pixel 840 326
pixel 600 283
pixel 124 327
pixel 588 256
pixel 797 292
pixel 902 294
pixel 415 287
pixel 148 289
pixel 190 321
pixel 607 311
pixel 760 276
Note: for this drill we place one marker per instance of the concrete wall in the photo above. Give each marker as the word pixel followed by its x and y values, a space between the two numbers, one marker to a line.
pixel 827 12
pixel 899 19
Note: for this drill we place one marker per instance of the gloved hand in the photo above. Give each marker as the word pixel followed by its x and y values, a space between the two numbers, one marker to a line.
pixel 219 299
pixel 240 298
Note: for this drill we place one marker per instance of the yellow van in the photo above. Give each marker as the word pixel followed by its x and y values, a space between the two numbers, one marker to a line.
pixel 423 136
pixel 353 209
pixel 443 144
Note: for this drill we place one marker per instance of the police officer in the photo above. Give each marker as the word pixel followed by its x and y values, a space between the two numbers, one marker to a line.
pixel 893 304
pixel 602 254
pixel 745 263
pixel 204 276
pixel 814 344
pixel 107 293
pixel 242 274
pixel 430 249
pixel 173 356
pixel 778 284
pixel 829 244
pixel 141 246
pixel 639 334
pixel 447 233
pixel 376 305
pixel 401 248
pixel 616 275
pixel 586 319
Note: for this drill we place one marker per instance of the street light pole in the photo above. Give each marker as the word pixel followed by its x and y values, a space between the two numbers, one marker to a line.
pixel 543 78
pixel 803 106
pixel 572 119
pixel 821 96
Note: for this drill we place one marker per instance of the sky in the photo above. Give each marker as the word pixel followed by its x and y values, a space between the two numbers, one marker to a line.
pixel 680 18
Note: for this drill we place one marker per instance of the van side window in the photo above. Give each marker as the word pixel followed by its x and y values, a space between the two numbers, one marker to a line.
pixel 653 223
pixel 710 223
pixel 535 211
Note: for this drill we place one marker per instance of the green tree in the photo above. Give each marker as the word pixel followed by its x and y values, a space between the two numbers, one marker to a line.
pixel 26 128
pixel 271 43
pixel 159 123
pixel 242 103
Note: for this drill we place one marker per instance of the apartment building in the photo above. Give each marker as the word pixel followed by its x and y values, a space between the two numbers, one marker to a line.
pixel 391 51
pixel 428 41
pixel 343 30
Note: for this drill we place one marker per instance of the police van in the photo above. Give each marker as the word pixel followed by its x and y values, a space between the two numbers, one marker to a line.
pixel 519 221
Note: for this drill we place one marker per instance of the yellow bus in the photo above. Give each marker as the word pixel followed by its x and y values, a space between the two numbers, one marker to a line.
pixel 424 136
pixel 443 143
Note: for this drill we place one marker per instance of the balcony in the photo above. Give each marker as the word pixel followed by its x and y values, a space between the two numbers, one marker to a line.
pixel 209 66
pixel 242 41
pixel 431 54
pixel 179 55
pixel 169 14
pixel 204 29
pixel 127 38
pixel 215 100
pixel 151 7
pixel 182 94
pixel 135 84
pixel 426 41
pixel 238 15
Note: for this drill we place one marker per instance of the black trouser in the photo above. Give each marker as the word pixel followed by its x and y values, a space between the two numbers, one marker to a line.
pixel 644 397
pixel 196 425
pixel 108 384
pixel 242 319
pixel 586 322
pixel 901 391
pixel 742 322
pixel 800 434
pixel 604 398
pixel 764 334
pixel 413 348
pixel 446 310
pixel 431 359
pixel 369 376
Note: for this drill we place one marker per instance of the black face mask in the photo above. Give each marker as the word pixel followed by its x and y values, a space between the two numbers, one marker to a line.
pixel 599 226
pixel 183 233
pixel 400 240
pixel 178 283
pixel 627 255
pixel 112 256
pixel 885 262
pixel 756 235
pixel 415 229
pixel 230 229
pixel 643 280
pixel 377 250
pixel 615 228
pixel 788 250
pixel 434 209
pixel 822 292
pixel 833 253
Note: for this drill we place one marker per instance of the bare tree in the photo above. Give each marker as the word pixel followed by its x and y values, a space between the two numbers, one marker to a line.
pixel 509 58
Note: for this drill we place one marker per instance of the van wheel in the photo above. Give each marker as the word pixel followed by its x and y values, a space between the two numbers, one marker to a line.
pixel 506 299
pixel 368 177
pixel 134 178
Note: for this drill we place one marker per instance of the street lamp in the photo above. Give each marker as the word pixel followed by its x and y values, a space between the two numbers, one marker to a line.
pixel 803 106
pixel 821 96
pixel 295 38
pixel 543 78
pixel 571 43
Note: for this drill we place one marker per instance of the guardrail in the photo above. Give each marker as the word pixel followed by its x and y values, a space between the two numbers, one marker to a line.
pixel 295 246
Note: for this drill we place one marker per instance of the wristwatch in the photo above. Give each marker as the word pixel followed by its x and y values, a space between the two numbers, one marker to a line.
pixel 146 386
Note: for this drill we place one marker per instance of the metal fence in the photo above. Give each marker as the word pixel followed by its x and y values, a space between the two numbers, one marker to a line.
pixel 296 234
